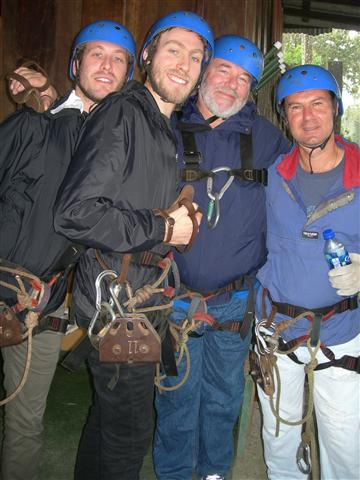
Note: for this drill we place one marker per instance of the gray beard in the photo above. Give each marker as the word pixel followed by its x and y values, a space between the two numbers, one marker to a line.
pixel 212 106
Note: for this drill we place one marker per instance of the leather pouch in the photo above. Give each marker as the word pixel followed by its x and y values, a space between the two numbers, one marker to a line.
pixel 129 339
pixel 11 329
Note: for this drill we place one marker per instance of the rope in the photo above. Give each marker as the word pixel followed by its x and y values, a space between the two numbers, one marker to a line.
pixel 144 293
pixel 31 321
pixel 181 333
pixel 309 370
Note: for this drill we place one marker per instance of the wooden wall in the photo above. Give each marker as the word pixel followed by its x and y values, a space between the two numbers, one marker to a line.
pixel 43 30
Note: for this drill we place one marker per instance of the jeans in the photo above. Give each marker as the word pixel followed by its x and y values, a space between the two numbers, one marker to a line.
pixel 118 430
pixel 337 408
pixel 194 429
pixel 23 422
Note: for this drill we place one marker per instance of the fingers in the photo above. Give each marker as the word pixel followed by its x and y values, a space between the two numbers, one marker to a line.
pixel 339 272
pixel 36 79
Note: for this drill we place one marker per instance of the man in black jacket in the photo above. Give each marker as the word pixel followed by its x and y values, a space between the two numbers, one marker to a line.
pixel 36 150
pixel 124 169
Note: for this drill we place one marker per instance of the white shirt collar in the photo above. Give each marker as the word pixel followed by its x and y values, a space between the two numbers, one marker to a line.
pixel 73 101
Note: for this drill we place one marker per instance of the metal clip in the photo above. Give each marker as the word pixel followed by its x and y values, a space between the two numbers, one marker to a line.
pixel 264 337
pixel 99 304
pixel 214 202
pixel 303 458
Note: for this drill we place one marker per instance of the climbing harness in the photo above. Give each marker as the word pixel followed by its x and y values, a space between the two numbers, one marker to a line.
pixel 192 172
pixel 264 368
pixel 32 296
pixel 197 316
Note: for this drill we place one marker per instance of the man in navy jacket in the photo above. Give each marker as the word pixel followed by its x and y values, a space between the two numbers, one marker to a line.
pixel 235 146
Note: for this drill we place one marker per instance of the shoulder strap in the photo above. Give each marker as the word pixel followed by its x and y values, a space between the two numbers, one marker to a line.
pixel 193 158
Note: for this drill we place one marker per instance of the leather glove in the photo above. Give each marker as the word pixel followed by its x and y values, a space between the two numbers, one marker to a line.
pixel 346 280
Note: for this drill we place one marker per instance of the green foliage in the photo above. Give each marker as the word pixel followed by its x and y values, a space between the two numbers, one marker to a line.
pixel 338 45
pixel 350 124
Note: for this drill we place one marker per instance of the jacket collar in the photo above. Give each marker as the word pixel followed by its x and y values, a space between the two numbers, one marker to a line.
pixel 351 176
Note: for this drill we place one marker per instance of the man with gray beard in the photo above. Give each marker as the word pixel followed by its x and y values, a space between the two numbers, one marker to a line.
pixel 225 148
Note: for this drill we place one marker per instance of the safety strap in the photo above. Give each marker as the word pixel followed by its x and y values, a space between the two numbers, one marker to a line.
pixel 193 158
pixel 349 303
pixel 321 314
pixel 346 361
pixel 241 327
pixel 54 324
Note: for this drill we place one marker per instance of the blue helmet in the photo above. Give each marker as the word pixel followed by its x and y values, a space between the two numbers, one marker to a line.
pixel 306 77
pixel 105 31
pixel 242 52
pixel 187 20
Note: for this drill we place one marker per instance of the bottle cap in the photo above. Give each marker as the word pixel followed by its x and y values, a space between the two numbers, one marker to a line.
pixel 327 234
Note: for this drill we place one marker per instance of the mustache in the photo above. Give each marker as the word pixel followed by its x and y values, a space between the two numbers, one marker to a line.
pixel 106 75
pixel 228 91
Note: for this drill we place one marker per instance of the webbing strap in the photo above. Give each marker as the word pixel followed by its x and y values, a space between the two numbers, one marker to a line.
pixel 193 157
pixel 54 324
pixel 347 362
pixel 349 303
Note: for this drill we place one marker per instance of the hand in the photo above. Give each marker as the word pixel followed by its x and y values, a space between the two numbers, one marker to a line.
pixel 183 227
pixel 346 280
pixel 36 79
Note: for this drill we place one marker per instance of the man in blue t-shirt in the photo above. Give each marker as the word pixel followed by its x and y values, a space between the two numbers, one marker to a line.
pixel 312 320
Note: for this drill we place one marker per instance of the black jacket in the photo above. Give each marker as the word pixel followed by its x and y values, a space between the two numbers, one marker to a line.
pixel 123 168
pixel 35 153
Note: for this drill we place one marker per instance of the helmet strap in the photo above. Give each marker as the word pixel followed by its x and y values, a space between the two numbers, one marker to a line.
pixel 321 146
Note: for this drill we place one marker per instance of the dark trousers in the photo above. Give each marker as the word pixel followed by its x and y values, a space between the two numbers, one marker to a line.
pixel 118 430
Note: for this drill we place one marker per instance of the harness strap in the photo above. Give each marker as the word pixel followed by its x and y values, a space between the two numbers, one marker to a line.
pixel 241 327
pixel 54 324
pixel 146 258
pixel 237 284
pixel 193 157
pixel 347 362
pixel 349 303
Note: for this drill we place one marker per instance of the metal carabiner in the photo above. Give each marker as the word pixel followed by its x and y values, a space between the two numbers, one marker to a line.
pixel 265 337
pixel 115 289
pixel 214 202
pixel 213 205
pixel 303 458
pixel 98 303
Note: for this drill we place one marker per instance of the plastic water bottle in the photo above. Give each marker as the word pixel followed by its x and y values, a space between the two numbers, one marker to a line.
pixel 335 253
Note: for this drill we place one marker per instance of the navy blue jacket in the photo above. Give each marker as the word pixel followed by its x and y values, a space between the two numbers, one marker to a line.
pixel 236 246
